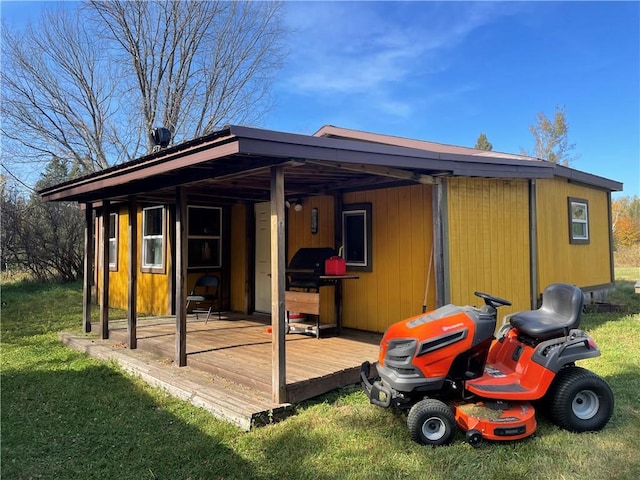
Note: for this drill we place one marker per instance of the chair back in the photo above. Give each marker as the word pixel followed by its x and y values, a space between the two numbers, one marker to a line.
pixel 207 281
pixel 566 301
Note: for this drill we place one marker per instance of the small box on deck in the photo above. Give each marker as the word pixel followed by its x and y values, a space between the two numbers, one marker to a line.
pixel 335 266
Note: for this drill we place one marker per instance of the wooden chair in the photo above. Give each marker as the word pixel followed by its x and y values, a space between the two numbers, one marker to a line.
pixel 205 292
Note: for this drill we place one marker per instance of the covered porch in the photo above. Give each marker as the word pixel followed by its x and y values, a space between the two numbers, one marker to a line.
pixel 230 362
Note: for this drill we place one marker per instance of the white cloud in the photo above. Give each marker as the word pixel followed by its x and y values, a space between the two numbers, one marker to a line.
pixel 370 49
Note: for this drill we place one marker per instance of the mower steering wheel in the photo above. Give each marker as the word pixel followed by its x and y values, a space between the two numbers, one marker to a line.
pixel 494 302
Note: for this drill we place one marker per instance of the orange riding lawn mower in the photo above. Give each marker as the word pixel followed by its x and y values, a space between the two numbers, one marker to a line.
pixel 447 367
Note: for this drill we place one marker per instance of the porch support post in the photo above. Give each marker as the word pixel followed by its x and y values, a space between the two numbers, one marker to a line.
pixel 104 291
pixel 278 356
pixel 88 264
pixel 533 244
pixel 440 248
pixel 132 315
pixel 181 274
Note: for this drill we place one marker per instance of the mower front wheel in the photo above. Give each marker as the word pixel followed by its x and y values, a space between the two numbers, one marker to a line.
pixel 580 400
pixel 431 422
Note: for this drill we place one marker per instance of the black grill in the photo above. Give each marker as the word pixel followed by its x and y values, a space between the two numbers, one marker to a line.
pixel 306 267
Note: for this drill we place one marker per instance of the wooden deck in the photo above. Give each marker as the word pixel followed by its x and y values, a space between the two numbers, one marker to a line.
pixel 229 362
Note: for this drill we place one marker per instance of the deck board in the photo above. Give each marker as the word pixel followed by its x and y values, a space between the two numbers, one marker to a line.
pixel 229 363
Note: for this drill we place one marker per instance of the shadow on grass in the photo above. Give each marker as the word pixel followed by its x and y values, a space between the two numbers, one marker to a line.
pixel 95 423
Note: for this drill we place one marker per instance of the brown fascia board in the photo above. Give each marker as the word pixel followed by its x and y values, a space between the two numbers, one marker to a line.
pixel 253 141
pixel 270 143
pixel 331 131
pixel 218 144
pixel 585 178
pixel 561 171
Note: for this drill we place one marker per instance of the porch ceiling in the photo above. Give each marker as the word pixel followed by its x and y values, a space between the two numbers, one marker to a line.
pixel 247 178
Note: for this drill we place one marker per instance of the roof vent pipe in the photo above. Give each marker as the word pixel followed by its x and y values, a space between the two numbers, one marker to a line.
pixel 160 137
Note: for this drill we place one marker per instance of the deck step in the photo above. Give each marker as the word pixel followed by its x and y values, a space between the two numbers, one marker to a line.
pixel 223 398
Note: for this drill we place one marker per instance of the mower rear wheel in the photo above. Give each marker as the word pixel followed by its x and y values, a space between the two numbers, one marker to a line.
pixel 431 422
pixel 580 400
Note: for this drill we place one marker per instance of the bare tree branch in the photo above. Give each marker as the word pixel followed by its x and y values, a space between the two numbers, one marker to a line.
pixel 87 85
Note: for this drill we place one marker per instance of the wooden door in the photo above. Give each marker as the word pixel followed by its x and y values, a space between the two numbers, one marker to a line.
pixel 263 257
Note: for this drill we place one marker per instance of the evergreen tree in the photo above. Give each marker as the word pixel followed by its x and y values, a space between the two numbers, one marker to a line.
pixel 483 143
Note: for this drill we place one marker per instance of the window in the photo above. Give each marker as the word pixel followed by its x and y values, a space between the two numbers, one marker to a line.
pixel 356 236
pixel 204 237
pixel 153 239
pixel 113 241
pixel 578 221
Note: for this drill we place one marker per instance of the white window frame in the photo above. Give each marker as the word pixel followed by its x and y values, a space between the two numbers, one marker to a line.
pixel 213 237
pixel 578 216
pixel 113 242
pixel 361 210
pixel 153 267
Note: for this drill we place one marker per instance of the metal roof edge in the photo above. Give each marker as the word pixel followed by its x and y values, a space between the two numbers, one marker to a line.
pixel 579 176
pixel 379 148
pixel 138 163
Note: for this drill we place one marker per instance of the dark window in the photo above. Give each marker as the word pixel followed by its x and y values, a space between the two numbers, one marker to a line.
pixel 205 237
pixel 356 236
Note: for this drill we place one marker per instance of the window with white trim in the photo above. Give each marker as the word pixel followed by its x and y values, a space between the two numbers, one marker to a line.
pixel 113 241
pixel 578 221
pixel 153 243
pixel 204 237
pixel 356 236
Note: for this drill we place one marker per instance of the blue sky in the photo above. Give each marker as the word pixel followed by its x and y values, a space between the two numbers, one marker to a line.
pixel 445 72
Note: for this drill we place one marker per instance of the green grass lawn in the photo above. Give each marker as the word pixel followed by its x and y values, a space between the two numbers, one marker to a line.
pixel 67 416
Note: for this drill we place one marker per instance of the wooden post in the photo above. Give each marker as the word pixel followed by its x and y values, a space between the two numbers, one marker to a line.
pixel 132 306
pixel 88 270
pixel 533 244
pixel 181 267
pixel 278 356
pixel 104 292
pixel 440 250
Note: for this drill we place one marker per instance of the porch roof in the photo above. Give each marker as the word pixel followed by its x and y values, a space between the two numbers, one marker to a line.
pixel 234 163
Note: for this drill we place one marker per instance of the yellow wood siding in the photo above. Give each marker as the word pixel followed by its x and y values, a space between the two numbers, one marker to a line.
pixel 118 280
pixel 153 288
pixel 488 241
pixel 558 260
pixel 299 235
pixel 238 267
pixel 402 238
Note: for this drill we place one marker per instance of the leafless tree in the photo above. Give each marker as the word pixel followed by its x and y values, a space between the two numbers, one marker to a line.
pixel 87 85
pixel 56 97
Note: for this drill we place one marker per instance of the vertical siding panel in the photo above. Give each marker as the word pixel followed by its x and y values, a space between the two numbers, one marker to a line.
pixel 420 246
pixel 394 254
pixel 355 299
pixel 428 274
pixel 119 279
pixel 560 261
pixel 402 238
pixel 405 231
pixel 381 259
pixel 370 284
pixel 238 259
pixel 488 240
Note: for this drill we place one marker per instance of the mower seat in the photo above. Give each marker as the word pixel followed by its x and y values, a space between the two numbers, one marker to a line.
pixel 560 312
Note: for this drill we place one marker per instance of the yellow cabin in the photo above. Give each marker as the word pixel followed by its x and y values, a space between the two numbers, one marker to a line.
pixel 419 224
